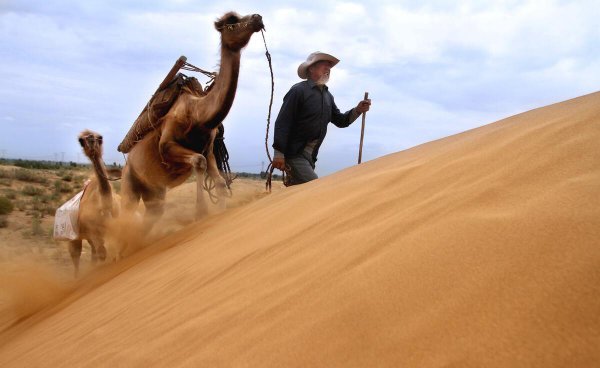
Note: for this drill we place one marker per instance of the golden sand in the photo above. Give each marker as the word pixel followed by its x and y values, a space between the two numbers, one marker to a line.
pixel 478 250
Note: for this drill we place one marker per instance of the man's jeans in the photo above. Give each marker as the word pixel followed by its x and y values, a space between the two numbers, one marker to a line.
pixel 303 169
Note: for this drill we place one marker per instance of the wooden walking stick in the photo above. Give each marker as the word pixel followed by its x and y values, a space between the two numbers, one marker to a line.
pixel 362 132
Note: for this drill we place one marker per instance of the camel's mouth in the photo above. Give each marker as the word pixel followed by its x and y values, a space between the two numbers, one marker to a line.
pixel 258 23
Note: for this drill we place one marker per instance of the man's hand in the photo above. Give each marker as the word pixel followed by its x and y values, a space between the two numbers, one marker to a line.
pixel 363 106
pixel 279 163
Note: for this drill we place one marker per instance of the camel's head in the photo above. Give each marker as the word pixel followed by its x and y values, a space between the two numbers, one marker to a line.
pixel 237 30
pixel 91 142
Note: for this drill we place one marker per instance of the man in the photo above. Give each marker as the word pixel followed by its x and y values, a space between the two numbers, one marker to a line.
pixel 302 122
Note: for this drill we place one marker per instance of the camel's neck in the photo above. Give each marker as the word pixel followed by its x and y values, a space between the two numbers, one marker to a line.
pixel 102 176
pixel 220 98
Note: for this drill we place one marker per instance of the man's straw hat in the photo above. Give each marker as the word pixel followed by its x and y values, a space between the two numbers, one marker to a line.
pixel 313 58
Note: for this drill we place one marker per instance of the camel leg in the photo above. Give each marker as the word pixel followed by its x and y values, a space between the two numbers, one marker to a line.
pixel 220 184
pixel 154 202
pixel 93 250
pixel 127 223
pixel 101 252
pixel 130 198
pixel 75 251
pixel 199 163
pixel 98 249
pixel 173 152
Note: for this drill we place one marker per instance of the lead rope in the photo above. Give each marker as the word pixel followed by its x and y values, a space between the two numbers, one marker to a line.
pixel 270 168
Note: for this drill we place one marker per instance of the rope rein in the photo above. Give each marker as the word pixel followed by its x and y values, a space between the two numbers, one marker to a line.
pixel 268 55
pixel 270 168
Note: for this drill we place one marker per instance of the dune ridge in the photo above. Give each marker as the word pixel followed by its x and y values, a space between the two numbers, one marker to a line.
pixel 479 249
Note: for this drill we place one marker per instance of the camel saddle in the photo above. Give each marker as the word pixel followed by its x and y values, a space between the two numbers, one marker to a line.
pixel 162 100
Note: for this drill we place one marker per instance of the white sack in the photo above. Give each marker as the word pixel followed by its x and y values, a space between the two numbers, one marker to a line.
pixel 66 219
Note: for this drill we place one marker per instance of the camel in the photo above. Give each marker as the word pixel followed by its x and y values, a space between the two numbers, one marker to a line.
pixel 97 205
pixel 183 142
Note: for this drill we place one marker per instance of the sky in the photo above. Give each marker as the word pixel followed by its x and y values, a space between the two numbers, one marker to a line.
pixel 432 68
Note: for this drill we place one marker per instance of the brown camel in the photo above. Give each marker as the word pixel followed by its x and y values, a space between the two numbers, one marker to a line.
pixel 183 143
pixel 97 204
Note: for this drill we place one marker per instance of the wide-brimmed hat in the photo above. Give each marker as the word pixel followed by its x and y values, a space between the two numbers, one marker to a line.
pixel 313 58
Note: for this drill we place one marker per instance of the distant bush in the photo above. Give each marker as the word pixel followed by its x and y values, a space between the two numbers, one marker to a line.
pixel 29 176
pixel 57 186
pixel 36 203
pixel 6 182
pixel 78 181
pixel 247 175
pixel 10 194
pixel 36 225
pixel 49 210
pixel 43 205
pixel 6 206
pixel 6 174
pixel 21 205
pixel 30 164
pixel 32 191
pixel 65 173
pixel 45 198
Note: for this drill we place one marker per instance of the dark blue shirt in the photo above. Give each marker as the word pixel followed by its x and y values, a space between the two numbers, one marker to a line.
pixel 306 111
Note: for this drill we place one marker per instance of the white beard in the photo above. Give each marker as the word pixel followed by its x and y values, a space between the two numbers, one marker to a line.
pixel 323 80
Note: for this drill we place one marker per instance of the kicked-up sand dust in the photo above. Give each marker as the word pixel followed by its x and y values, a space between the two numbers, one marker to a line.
pixel 478 250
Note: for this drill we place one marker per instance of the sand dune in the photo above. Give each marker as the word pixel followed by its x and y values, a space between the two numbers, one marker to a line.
pixel 478 250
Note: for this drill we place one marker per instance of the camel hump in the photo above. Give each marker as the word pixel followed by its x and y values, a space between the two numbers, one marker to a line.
pixel 160 103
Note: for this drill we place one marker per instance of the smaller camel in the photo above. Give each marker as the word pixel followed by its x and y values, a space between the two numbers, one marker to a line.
pixel 97 206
